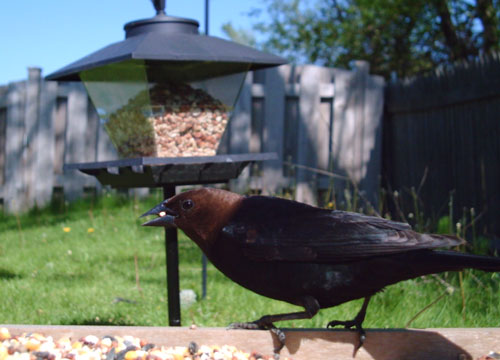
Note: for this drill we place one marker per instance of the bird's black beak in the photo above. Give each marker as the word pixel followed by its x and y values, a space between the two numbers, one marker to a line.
pixel 165 216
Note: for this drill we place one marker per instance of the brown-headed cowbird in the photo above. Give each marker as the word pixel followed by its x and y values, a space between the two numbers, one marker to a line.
pixel 307 256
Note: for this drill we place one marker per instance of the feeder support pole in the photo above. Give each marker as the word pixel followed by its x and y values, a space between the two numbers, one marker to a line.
pixel 204 261
pixel 206 16
pixel 172 254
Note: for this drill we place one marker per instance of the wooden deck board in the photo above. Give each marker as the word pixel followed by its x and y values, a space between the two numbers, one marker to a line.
pixel 429 344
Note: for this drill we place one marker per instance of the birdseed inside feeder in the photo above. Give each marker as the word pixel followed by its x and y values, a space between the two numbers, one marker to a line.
pixel 163 119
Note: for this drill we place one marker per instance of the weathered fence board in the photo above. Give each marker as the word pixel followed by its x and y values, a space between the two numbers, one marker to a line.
pixel 75 149
pixel 3 130
pixel 447 125
pixel 14 187
pixel 31 134
pixel 313 132
pixel 272 126
pixel 356 139
pixel 45 147
pixel 240 129
pixel 290 110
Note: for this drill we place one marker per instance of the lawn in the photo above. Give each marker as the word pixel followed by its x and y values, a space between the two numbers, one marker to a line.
pixel 92 263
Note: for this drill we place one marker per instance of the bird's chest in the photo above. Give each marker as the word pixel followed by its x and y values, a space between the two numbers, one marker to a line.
pixel 228 256
pixel 265 278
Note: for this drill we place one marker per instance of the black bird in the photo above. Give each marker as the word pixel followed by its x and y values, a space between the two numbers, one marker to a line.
pixel 307 256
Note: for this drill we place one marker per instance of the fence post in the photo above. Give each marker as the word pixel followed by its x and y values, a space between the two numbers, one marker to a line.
pixel 14 179
pixel 3 129
pixel 31 135
pixel 240 131
pixel 45 144
pixel 313 132
pixel 372 137
pixel 273 125
pixel 356 129
pixel 74 149
pixel 345 125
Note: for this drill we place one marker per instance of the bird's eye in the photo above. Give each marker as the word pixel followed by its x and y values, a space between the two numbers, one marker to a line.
pixel 187 204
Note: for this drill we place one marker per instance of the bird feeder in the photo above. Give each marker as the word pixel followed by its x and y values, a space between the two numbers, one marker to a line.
pixel 164 95
pixel 166 90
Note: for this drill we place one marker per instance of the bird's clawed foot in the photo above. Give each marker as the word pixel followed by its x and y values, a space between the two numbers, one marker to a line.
pixel 311 307
pixel 355 323
pixel 262 324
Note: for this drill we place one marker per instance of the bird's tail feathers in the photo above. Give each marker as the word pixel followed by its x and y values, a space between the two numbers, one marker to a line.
pixel 445 241
pixel 459 261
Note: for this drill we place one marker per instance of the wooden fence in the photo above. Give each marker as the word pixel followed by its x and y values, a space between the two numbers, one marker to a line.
pixel 442 138
pixel 318 119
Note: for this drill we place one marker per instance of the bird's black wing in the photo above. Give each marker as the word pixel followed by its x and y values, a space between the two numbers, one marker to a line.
pixel 273 229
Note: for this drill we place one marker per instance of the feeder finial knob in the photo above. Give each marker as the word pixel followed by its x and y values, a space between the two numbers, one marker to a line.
pixel 159 6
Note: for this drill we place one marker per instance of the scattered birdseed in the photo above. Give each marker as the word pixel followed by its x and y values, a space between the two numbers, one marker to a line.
pixel 35 346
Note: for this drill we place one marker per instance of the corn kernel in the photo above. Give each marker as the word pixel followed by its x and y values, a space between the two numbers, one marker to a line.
pixel 131 355
pixel 3 352
pixel 39 337
pixel 4 334
pixel 33 344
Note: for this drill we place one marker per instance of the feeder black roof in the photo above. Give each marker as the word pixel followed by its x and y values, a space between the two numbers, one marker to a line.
pixel 165 39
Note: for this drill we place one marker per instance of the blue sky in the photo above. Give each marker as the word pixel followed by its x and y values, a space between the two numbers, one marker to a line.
pixel 53 33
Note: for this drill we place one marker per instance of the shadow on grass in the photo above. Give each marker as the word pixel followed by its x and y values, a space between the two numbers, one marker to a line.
pixel 99 322
pixel 8 275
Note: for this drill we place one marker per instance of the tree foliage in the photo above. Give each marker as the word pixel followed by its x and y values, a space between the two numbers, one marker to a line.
pixel 240 35
pixel 396 36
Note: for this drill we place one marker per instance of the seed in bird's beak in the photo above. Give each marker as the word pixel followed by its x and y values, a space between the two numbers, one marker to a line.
pixel 162 213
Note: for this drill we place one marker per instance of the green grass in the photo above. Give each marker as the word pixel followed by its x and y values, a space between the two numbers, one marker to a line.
pixel 49 276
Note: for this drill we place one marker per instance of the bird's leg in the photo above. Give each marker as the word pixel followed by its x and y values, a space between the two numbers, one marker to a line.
pixel 356 322
pixel 311 307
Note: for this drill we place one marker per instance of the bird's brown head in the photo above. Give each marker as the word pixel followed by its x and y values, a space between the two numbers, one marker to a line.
pixel 200 213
